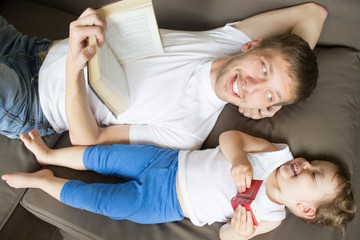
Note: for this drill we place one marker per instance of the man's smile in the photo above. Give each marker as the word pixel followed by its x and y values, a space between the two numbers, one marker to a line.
pixel 234 87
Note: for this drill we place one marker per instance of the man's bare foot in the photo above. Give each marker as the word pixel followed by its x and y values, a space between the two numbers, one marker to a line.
pixel 26 180
pixel 36 145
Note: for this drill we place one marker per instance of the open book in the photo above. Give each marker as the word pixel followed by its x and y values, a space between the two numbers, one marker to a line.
pixel 247 198
pixel 132 33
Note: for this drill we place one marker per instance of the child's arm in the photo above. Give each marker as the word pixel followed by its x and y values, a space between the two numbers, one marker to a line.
pixel 235 145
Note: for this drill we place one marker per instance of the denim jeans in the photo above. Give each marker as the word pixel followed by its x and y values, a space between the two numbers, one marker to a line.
pixel 20 61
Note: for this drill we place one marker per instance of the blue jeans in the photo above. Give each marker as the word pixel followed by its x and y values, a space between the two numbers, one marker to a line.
pixel 148 196
pixel 20 61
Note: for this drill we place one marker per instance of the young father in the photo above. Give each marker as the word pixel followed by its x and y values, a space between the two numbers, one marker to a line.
pixel 176 97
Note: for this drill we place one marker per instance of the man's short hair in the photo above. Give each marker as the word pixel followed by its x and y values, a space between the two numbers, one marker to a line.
pixel 303 67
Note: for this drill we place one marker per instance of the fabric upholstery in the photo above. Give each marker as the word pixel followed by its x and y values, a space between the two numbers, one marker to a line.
pixel 325 126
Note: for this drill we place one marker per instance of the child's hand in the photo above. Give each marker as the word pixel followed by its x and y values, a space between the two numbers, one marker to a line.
pixel 242 223
pixel 242 175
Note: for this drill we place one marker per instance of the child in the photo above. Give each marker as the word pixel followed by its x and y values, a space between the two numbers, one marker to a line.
pixel 167 185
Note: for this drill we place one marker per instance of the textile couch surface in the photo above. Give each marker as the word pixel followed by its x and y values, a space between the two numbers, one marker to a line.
pixel 325 126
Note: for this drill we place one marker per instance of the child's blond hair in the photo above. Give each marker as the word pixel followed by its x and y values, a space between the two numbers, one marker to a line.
pixel 337 213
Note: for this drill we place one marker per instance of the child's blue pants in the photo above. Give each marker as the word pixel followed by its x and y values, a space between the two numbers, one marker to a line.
pixel 148 196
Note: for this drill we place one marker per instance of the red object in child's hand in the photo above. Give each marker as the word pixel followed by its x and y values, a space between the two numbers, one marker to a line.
pixel 247 198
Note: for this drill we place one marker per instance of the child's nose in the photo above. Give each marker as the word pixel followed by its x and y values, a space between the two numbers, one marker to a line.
pixel 306 165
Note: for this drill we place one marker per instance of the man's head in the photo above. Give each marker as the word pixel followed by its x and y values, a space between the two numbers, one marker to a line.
pixel 319 192
pixel 276 71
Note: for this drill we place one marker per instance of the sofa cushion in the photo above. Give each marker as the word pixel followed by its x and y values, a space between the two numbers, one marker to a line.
pixel 340 28
pixel 36 19
pixel 15 158
pixel 325 126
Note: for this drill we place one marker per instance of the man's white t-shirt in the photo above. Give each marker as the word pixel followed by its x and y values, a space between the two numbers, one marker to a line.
pixel 207 186
pixel 172 103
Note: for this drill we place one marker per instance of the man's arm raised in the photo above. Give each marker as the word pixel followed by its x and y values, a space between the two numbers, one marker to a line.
pixel 305 20
pixel 83 127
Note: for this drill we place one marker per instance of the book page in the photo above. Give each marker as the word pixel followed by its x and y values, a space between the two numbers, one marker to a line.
pixel 112 73
pixel 133 35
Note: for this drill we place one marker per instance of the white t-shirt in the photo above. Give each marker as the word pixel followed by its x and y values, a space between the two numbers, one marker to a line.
pixel 207 187
pixel 172 103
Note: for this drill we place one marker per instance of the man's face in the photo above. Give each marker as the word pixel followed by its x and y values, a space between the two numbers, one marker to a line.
pixel 254 79
pixel 303 182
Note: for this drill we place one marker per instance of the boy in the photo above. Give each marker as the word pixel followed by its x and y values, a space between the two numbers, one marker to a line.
pixel 166 185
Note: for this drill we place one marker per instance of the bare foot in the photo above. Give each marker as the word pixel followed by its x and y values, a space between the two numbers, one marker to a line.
pixel 36 145
pixel 26 180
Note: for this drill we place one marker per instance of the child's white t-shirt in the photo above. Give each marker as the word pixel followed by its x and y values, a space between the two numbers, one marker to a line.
pixel 207 187
pixel 172 103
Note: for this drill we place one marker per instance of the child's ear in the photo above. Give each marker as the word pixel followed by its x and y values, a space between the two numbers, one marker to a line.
pixel 306 211
pixel 250 45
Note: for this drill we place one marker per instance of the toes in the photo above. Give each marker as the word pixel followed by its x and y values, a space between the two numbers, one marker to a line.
pixel 8 179
pixel 34 133
pixel 5 177
pixel 24 137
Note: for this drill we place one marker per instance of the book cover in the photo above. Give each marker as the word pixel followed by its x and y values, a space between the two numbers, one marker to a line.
pixel 246 199
pixel 252 191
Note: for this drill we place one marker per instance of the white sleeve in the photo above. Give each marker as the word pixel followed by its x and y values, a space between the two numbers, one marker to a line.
pixel 164 137
pixel 229 39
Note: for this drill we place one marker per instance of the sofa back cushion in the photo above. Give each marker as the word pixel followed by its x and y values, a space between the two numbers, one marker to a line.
pixel 341 26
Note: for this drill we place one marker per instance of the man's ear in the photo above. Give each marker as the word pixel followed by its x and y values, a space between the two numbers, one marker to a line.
pixel 250 45
pixel 306 211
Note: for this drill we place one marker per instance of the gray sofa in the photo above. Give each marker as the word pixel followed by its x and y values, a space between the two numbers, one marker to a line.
pixel 325 126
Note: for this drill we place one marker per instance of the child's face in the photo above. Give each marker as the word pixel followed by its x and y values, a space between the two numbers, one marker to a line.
pixel 303 182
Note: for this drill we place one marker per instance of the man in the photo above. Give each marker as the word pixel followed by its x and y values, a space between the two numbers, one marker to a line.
pixel 177 97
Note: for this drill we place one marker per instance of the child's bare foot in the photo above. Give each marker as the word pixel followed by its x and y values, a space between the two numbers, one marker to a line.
pixel 36 145
pixel 26 180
